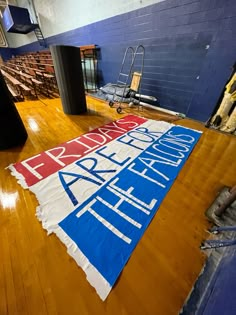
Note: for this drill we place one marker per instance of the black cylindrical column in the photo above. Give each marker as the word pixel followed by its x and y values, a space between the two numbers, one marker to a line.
pixel 69 75
pixel 12 129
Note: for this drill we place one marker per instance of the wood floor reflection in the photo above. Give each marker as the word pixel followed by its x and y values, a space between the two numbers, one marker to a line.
pixel 37 276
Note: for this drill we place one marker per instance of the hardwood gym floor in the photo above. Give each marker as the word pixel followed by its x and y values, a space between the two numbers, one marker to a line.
pixel 37 276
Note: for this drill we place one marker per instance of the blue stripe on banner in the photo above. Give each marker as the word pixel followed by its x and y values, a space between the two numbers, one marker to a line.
pixel 109 224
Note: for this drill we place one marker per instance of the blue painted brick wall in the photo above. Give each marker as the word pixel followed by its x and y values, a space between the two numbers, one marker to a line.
pixel 6 53
pixel 179 70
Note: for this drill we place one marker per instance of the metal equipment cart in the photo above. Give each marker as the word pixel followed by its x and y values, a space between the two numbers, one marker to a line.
pixel 129 79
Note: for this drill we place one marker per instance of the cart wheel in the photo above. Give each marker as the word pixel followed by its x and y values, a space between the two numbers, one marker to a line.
pixel 119 110
pixel 111 104
pixel 132 94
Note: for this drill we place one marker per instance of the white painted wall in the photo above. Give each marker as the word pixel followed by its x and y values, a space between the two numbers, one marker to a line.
pixel 58 16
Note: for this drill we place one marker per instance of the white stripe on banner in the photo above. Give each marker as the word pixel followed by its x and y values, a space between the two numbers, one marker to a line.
pixel 101 204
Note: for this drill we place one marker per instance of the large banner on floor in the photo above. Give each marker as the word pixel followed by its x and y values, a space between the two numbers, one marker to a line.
pixel 99 192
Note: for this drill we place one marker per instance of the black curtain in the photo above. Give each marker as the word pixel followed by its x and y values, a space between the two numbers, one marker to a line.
pixel 12 129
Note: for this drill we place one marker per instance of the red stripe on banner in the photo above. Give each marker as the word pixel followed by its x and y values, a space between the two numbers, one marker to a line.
pixel 46 163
